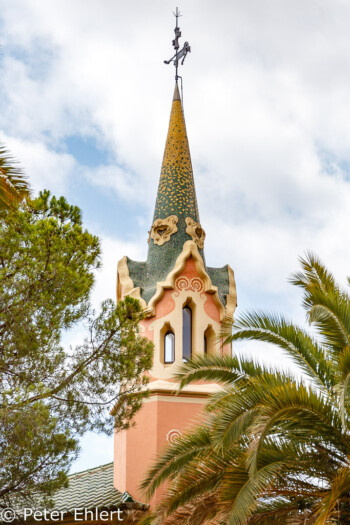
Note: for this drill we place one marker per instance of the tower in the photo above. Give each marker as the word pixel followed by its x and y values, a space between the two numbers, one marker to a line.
pixel 186 305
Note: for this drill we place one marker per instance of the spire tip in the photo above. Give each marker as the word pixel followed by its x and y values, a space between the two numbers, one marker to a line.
pixel 179 53
pixel 176 93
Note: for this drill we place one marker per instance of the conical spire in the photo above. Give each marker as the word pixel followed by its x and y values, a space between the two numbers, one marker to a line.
pixel 176 217
pixel 176 191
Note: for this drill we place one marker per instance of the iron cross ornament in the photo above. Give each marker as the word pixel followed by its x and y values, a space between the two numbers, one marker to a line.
pixel 178 54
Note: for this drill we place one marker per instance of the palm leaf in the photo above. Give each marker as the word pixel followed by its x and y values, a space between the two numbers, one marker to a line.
pixel 209 368
pixel 327 508
pixel 303 349
pixel 326 304
pixel 13 183
pixel 176 457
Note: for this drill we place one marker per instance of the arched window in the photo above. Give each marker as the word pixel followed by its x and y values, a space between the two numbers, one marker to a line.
pixel 169 347
pixel 210 340
pixel 186 333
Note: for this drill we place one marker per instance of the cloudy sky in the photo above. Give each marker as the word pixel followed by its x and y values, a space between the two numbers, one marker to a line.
pixel 84 106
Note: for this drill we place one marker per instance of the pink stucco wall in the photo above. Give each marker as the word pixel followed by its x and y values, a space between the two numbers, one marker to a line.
pixel 136 448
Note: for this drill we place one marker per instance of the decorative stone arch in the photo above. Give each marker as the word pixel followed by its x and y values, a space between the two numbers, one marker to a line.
pixel 167 326
pixel 125 285
pixel 190 250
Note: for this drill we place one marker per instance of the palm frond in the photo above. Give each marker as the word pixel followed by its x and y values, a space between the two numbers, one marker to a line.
pixel 299 411
pixel 342 388
pixel 327 508
pixel 314 276
pixel 246 501
pixel 331 317
pixel 209 368
pixel 175 457
pixel 13 183
pixel 300 346
pixel 326 304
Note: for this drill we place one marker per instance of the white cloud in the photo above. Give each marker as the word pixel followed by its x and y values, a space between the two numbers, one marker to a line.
pixel 112 251
pixel 96 449
pixel 45 167
pixel 125 183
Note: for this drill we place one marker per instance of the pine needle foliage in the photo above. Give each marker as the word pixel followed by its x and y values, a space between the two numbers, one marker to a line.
pixel 270 448
pixel 50 394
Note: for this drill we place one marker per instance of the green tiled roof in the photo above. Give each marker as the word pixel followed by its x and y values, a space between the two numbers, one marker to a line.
pixel 143 277
pixel 176 195
pixel 220 278
pixel 89 489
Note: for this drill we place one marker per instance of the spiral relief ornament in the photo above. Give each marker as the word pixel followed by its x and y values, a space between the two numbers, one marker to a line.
pixel 173 435
pixel 184 284
pixel 196 285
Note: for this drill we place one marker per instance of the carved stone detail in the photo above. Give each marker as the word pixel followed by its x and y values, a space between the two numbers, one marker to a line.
pixel 193 285
pixel 173 435
pixel 195 230
pixel 162 229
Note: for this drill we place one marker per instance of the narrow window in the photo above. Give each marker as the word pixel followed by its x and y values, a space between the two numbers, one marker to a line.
pixel 187 333
pixel 205 345
pixel 169 347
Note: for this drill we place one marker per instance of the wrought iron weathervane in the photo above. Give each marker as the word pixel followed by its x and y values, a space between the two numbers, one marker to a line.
pixel 178 54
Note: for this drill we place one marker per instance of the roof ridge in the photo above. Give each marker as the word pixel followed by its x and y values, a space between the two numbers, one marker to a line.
pixel 87 471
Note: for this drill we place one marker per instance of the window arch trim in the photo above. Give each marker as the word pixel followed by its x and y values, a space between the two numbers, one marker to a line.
pixel 187 319
pixel 169 347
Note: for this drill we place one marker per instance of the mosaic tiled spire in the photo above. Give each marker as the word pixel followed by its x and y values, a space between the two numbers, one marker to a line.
pixel 176 191
pixel 176 196
pixel 176 211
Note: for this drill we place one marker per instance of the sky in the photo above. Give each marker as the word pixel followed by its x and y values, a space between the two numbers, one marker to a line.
pixel 85 100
